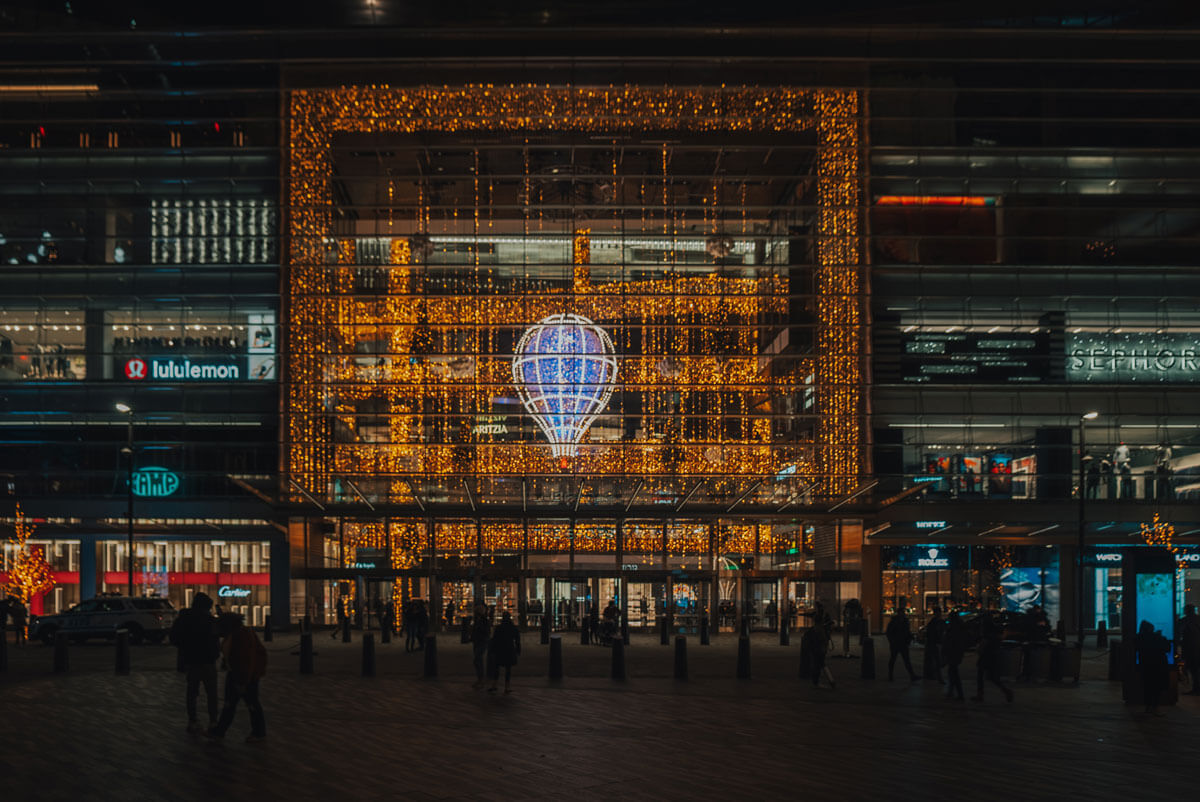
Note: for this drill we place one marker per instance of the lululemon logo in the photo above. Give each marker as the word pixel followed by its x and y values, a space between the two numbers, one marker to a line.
pixel 135 369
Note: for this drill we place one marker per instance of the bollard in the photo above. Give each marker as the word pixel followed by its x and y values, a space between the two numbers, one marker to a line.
pixel 785 637
pixel 306 653
pixel 556 659
pixel 743 659
pixel 1102 634
pixel 267 629
pixel 664 634
pixel 618 659
pixel 681 671
pixel 545 628
pixel 346 629
pixel 868 658
pixel 61 660
pixel 624 632
pixel 122 651
pixel 431 657
pixel 704 641
pixel 1114 660
pixel 306 625
pixel 385 629
pixel 368 656
pixel 585 635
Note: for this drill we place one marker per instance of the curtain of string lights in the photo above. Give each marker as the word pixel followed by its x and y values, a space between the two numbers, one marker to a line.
pixel 486 326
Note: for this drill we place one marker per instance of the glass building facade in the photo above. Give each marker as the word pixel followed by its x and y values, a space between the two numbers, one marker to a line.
pixel 807 315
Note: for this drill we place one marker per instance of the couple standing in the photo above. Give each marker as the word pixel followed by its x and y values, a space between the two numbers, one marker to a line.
pixel 500 647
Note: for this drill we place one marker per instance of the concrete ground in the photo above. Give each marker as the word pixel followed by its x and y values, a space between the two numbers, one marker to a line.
pixel 90 734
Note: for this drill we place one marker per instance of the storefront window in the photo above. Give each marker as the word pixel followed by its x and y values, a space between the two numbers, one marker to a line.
pixel 42 344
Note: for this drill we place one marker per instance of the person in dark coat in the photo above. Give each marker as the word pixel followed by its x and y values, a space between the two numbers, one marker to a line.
pixel 954 647
pixel 194 634
pixel 20 618
pixel 816 644
pixel 934 632
pixel 1152 661
pixel 481 633
pixel 421 624
pixel 247 662
pixel 1189 629
pixel 899 636
pixel 505 646
pixel 990 649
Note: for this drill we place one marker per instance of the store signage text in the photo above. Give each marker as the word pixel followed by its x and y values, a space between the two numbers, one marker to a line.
pixel 931 524
pixel 153 482
pixel 229 592
pixel 1133 357
pixel 934 560
pixel 181 369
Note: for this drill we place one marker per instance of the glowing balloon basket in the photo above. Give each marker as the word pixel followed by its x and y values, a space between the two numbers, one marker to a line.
pixel 564 370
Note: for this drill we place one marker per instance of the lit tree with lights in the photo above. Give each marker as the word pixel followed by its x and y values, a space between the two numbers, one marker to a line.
pixel 30 574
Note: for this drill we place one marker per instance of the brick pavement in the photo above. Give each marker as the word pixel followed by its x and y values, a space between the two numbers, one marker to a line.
pixel 89 734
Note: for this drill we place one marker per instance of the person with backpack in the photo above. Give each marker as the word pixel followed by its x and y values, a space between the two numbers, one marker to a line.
pixel 899 636
pixel 194 634
pixel 247 662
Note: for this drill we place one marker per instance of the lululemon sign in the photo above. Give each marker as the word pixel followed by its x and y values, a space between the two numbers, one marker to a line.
pixel 135 369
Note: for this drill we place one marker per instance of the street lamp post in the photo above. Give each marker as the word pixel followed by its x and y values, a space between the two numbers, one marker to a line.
pixel 128 410
pixel 1083 419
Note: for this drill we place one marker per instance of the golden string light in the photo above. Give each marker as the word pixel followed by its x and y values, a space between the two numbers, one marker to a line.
pixel 30 574
pixel 699 353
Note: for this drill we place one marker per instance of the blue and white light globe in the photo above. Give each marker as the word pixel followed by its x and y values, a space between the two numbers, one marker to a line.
pixel 564 370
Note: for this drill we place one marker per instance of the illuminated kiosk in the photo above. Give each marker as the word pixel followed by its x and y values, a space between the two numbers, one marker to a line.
pixel 431 293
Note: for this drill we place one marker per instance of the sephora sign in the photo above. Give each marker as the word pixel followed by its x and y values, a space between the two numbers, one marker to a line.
pixel 1133 357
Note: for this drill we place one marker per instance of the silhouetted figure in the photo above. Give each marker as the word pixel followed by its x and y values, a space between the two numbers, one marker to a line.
pixel 410 626
pixel 247 661
pixel 816 645
pixel 194 634
pixel 4 605
pixel 1189 630
pixel 954 646
pixel 506 646
pixel 1093 479
pixel 594 624
pixel 481 633
pixel 1152 660
pixel 934 631
pixel 899 637
pixel 990 649
pixel 340 613
pixel 421 623
pixel 450 613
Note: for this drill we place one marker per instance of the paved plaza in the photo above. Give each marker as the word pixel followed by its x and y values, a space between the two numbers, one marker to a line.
pixel 90 734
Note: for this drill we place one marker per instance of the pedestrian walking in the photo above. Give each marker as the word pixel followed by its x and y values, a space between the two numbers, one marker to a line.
pixel 410 625
pixel 1152 650
pixel 506 647
pixel 899 637
pixel 481 633
pixel 4 605
pixel 194 634
pixel 816 646
pixel 450 614
pixel 954 646
pixel 990 650
pixel 934 632
pixel 1190 635
pixel 340 612
pixel 247 663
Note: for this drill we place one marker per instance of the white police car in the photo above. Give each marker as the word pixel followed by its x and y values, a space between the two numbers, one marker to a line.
pixel 146 618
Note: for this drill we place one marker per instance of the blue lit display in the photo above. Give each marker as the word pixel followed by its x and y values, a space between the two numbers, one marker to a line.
pixel 564 371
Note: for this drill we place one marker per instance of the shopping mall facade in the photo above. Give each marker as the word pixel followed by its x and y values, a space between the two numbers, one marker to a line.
pixel 707 323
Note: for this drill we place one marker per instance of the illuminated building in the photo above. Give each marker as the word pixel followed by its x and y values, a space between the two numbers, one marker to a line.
pixel 810 315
